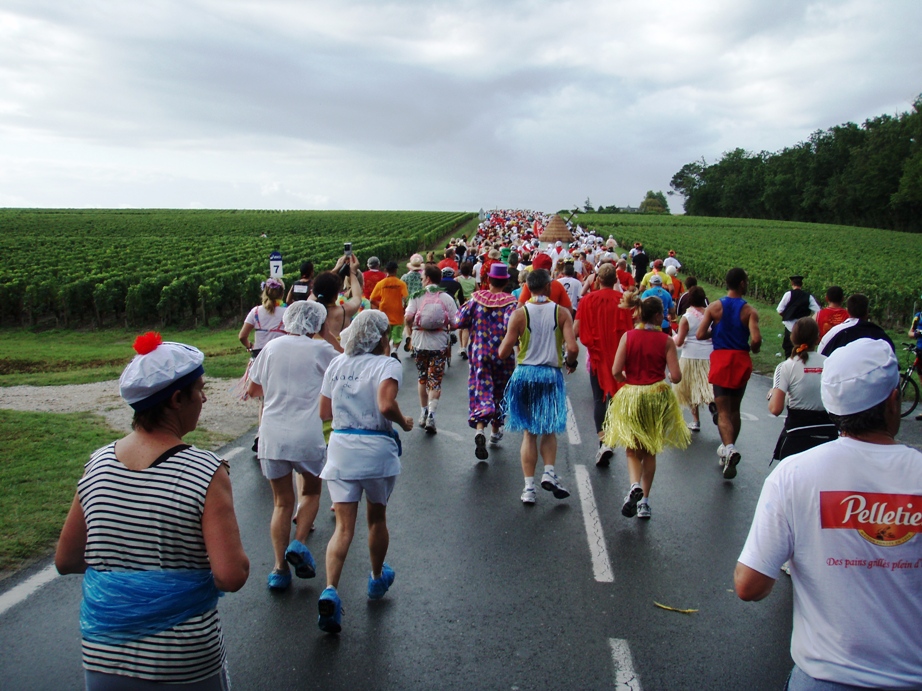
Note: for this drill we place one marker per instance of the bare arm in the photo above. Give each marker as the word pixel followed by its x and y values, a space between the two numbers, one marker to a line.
pixel 755 335
pixel 682 333
pixel 617 368
pixel 388 406
pixel 326 408
pixel 513 331
pixel 69 556
pixel 776 402
pixel 672 361
pixel 244 336
pixel 254 390
pixel 712 315
pixel 229 563
pixel 751 585
pixel 569 339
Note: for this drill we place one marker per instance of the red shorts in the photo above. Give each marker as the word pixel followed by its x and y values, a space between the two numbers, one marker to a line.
pixel 730 369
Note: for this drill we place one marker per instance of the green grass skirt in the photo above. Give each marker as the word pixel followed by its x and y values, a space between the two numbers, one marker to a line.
pixel 645 417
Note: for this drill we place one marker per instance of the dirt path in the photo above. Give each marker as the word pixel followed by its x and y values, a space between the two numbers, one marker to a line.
pixel 222 413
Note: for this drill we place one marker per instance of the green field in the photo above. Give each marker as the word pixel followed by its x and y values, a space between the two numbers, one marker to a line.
pixel 878 263
pixel 94 267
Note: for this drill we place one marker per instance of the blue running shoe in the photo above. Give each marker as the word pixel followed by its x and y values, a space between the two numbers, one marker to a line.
pixel 299 556
pixel 378 586
pixel 331 611
pixel 279 580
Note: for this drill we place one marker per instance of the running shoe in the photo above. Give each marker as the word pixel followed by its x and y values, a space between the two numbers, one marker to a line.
pixel 694 426
pixel 629 510
pixel 462 354
pixel 430 424
pixel 330 608
pixel 255 446
pixel 423 417
pixel 733 459
pixel 551 483
pixel 299 556
pixel 480 444
pixel 603 456
pixel 643 511
pixel 496 437
pixel 529 496
pixel 378 586
pixel 279 580
pixel 721 455
pixel 395 356
pixel 406 344
pixel 786 567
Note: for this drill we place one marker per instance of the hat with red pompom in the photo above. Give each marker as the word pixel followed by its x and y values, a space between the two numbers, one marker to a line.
pixel 158 370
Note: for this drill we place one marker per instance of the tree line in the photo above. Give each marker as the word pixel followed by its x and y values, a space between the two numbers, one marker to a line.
pixel 858 175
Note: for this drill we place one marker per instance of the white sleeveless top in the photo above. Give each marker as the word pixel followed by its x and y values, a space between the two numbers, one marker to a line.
pixel 693 348
pixel 542 341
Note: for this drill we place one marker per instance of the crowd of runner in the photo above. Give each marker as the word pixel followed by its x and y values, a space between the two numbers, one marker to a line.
pixel 326 366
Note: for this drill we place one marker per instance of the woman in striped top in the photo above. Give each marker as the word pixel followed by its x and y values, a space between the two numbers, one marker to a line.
pixel 153 529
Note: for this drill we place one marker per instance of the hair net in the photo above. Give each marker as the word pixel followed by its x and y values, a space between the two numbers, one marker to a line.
pixel 364 333
pixel 304 317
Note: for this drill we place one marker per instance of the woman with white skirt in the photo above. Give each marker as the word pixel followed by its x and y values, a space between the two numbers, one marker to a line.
pixel 693 390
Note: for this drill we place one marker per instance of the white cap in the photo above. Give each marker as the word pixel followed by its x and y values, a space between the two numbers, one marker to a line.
pixel 671 270
pixel 858 376
pixel 558 244
pixel 158 370
pixel 656 280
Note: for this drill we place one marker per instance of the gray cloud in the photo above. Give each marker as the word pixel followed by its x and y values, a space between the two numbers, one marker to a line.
pixel 442 105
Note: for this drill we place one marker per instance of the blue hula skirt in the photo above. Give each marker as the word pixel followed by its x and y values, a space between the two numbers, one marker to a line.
pixel 536 400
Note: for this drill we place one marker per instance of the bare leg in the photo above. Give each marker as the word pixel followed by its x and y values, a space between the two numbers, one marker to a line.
pixel 548 449
pixel 280 526
pixel 423 394
pixel 649 470
pixel 634 465
pixel 725 414
pixel 694 412
pixel 338 547
pixel 529 453
pixel 378 536
pixel 310 504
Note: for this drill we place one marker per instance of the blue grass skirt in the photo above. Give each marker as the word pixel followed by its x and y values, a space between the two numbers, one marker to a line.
pixel 536 400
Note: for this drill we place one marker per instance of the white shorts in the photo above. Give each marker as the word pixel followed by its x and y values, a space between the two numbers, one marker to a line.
pixel 273 469
pixel 377 490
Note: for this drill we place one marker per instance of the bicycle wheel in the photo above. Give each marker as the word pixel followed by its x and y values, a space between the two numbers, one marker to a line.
pixel 909 394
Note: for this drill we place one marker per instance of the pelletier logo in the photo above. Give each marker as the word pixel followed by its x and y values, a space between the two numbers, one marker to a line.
pixel 884 519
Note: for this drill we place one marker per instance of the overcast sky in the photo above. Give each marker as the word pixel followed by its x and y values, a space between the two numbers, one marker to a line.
pixel 441 105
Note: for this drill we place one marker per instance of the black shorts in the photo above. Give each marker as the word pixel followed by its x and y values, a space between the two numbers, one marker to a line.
pixel 733 393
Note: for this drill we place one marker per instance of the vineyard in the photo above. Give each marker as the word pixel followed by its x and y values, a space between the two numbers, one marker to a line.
pixel 82 267
pixel 878 263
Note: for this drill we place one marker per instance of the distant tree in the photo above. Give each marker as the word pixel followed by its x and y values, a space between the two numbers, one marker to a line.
pixel 654 203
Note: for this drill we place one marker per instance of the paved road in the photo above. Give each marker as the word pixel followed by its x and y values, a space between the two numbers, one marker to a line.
pixel 490 594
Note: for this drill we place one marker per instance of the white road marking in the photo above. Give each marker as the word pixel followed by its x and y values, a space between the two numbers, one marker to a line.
pixel 749 416
pixel 626 678
pixel 572 429
pixel 598 552
pixel 233 453
pixel 450 435
pixel 14 596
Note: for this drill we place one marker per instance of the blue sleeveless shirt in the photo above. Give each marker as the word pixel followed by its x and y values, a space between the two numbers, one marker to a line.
pixel 730 333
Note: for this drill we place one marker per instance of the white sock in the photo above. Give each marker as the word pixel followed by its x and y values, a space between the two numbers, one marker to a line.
pixel 424 410
pixel 530 482
pixel 433 404
pixel 549 469
pixel 643 501
pixel 635 484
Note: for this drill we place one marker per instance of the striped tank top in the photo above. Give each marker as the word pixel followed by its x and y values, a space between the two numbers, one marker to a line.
pixel 151 520
pixel 542 341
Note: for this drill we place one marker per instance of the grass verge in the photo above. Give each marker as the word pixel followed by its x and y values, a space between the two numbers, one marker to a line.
pixel 41 458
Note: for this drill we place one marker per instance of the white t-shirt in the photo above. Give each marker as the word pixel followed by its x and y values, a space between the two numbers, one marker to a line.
pixel 857 603
pixel 290 369
pixel 431 340
pixel 352 385
pixel 801 382
pixel 266 325
pixel 573 286
pixel 671 261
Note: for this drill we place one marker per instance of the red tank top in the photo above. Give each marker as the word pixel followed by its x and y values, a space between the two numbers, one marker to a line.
pixel 646 357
